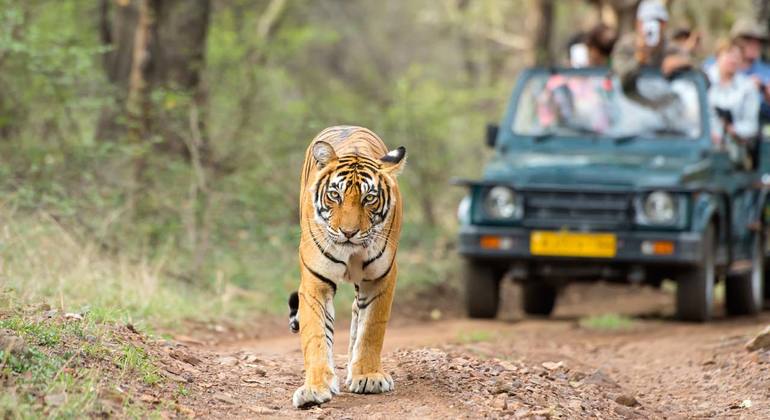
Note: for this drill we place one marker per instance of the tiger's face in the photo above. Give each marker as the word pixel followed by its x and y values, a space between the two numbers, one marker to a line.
pixel 353 194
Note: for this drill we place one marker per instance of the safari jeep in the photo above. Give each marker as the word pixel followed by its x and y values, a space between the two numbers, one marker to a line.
pixel 588 182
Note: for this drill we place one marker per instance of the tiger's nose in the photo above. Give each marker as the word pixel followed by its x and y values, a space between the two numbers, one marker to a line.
pixel 349 233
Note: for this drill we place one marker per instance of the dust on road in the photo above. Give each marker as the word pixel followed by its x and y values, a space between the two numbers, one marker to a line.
pixel 527 368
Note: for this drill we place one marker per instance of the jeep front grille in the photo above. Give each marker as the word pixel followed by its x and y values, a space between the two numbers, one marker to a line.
pixel 577 210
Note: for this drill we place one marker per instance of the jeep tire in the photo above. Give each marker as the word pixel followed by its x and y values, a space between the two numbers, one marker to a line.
pixel 695 286
pixel 744 294
pixel 482 288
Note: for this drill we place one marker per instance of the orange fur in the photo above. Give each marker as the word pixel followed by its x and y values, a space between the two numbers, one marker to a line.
pixel 350 216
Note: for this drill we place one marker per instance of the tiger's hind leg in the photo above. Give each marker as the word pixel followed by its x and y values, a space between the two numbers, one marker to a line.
pixel 371 312
pixel 316 317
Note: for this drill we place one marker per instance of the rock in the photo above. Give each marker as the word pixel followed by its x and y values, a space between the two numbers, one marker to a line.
pixel 225 398
pixel 625 412
pixel 500 402
pixel 598 377
pixel 228 361
pixel 760 341
pixel 741 404
pixel 508 366
pixel 251 358
pixel 174 377
pixel 553 365
pixel 73 316
pixel 185 357
pixel 626 399
pixel 151 399
pixel 502 387
pixel 258 409
pixel 762 357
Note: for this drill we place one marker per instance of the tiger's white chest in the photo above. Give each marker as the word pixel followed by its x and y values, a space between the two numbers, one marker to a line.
pixel 368 263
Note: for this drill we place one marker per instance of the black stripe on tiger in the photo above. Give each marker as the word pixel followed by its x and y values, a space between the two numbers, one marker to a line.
pixel 362 303
pixel 382 251
pixel 326 254
pixel 331 284
pixel 386 271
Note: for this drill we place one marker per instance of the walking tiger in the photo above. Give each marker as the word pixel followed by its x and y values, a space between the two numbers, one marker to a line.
pixel 350 217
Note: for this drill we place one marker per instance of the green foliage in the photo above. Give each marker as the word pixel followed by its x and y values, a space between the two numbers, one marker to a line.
pixel 43 334
pixel 56 368
pixel 607 322
pixel 475 336
pixel 139 232
pixel 134 359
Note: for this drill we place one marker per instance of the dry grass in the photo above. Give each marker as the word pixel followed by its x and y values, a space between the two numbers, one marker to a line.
pixel 40 260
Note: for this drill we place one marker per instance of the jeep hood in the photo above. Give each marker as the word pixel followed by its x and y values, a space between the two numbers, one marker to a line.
pixel 630 171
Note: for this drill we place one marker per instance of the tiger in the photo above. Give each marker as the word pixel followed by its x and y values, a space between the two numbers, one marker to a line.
pixel 350 218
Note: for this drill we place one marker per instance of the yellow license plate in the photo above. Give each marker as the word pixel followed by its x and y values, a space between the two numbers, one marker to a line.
pixel 572 244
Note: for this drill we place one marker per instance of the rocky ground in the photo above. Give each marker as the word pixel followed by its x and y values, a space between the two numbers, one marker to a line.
pixel 648 366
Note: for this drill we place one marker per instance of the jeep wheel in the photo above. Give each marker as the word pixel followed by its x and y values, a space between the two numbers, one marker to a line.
pixel 482 289
pixel 743 293
pixel 695 287
pixel 538 298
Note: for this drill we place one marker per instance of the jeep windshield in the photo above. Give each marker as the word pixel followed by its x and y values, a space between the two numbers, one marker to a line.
pixel 580 104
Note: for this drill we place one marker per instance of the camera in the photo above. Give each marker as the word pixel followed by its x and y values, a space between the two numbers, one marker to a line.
pixel 724 114
pixel 651 29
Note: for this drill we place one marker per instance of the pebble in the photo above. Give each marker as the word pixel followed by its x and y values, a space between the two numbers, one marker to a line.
pixel 627 400
pixel 500 402
pixel 225 398
pixel 761 341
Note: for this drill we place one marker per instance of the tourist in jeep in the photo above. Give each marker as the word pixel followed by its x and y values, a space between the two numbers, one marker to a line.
pixel 647 47
pixel 735 104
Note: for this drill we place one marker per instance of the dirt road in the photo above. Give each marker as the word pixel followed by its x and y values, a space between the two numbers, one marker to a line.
pixel 526 368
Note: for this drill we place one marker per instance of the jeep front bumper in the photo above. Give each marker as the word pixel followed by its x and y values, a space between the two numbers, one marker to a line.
pixel 632 247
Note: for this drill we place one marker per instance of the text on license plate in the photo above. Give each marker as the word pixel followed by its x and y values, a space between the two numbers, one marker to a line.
pixel 572 244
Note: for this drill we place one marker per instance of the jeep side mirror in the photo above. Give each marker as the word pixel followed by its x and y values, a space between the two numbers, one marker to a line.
pixel 492 130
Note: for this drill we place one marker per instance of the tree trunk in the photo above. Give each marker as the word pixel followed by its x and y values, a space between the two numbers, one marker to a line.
pixel 625 14
pixel 542 44
pixel 762 11
pixel 169 38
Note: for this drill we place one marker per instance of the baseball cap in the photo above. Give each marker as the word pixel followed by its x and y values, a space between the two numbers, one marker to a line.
pixel 651 10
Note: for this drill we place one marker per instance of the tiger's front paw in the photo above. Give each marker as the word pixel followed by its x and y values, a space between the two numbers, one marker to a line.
pixel 371 383
pixel 307 396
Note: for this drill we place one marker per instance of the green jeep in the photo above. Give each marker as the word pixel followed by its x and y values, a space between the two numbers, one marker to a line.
pixel 593 181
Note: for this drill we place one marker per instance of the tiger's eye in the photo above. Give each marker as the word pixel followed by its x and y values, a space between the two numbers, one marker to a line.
pixel 333 195
pixel 370 198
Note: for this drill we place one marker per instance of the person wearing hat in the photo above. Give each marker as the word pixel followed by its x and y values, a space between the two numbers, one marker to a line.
pixel 734 102
pixel 751 36
pixel 647 47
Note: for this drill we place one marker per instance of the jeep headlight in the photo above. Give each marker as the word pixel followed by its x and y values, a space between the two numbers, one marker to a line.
pixel 502 203
pixel 659 208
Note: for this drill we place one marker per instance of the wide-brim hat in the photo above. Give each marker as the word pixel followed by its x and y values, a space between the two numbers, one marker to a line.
pixel 749 28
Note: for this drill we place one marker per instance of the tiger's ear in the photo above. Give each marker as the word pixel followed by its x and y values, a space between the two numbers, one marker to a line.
pixel 323 153
pixel 393 161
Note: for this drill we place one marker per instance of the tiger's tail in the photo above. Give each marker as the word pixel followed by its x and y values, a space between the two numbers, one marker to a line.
pixel 293 316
